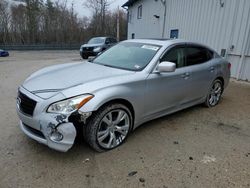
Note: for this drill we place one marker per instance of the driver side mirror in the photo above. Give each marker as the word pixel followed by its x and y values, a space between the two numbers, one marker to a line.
pixel 166 66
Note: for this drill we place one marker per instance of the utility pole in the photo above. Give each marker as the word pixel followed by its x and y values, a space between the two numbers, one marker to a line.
pixel 102 30
pixel 164 18
pixel 118 25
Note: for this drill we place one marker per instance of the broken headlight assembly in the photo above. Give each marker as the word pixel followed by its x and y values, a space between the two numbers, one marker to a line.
pixel 70 105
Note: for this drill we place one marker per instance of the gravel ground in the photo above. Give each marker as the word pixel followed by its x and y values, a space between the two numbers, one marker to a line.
pixel 197 147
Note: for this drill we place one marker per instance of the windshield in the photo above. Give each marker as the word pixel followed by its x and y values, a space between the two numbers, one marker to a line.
pixel 96 40
pixel 128 55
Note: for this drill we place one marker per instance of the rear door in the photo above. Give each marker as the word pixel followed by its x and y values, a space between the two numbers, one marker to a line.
pixel 198 60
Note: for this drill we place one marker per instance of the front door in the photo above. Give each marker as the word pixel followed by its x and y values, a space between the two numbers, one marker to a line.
pixel 166 91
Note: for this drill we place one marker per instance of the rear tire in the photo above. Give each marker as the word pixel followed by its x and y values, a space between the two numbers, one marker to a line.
pixel 108 127
pixel 214 95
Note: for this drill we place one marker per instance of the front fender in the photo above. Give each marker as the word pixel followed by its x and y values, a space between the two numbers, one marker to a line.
pixel 133 95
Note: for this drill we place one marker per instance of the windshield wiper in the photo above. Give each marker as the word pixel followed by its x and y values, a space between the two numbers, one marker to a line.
pixel 106 65
pixel 109 66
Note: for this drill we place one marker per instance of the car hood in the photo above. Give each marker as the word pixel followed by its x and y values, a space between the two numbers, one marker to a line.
pixel 60 77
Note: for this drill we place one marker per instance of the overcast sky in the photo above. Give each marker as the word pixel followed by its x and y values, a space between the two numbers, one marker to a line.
pixel 81 11
pixel 79 8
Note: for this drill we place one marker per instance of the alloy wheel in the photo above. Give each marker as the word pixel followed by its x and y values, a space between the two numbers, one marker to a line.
pixel 113 128
pixel 215 93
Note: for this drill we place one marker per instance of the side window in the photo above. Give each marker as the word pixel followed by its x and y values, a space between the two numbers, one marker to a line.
pixel 210 54
pixel 197 55
pixel 175 55
pixel 108 41
pixel 139 13
pixel 129 18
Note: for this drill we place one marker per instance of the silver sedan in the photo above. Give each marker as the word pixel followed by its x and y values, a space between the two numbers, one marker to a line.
pixel 133 82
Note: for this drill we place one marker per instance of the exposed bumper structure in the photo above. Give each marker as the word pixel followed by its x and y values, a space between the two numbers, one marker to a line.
pixel 66 131
pixel 53 130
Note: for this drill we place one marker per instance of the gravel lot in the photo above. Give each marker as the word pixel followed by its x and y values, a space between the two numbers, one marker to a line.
pixel 197 147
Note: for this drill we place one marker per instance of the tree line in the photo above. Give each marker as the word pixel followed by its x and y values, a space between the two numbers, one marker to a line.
pixel 54 22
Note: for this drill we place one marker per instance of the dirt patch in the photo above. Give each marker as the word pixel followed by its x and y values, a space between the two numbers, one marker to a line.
pixel 197 147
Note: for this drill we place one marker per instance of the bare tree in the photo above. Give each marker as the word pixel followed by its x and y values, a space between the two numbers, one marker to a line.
pixel 52 21
pixel 99 10
pixel 18 24
pixel 4 21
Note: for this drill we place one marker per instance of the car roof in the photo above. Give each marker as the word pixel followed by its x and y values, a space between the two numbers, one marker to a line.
pixel 103 37
pixel 166 42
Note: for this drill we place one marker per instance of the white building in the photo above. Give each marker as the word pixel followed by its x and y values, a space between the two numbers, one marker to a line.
pixel 222 24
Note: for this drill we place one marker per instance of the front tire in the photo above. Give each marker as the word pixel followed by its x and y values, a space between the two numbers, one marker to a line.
pixel 84 56
pixel 108 127
pixel 214 95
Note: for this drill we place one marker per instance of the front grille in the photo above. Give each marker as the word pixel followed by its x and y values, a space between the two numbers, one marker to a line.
pixel 26 104
pixel 34 131
pixel 87 48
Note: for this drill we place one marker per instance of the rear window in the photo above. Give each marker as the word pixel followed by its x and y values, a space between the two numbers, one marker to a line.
pixel 197 55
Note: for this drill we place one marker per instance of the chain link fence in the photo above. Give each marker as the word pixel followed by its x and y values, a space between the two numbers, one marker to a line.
pixel 40 46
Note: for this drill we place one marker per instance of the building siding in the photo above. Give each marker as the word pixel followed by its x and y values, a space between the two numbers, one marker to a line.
pixel 204 21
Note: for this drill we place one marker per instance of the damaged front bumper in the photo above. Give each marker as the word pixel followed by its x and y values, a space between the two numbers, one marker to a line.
pixel 66 131
pixel 53 130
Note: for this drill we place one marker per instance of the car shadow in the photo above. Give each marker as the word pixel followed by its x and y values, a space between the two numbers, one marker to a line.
pixel 81 148
pixel 167 119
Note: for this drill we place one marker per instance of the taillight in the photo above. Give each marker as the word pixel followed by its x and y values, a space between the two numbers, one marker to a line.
pixel 229 65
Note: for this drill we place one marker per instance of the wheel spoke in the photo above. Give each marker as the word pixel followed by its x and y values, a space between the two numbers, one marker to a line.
pixel 110 140
pixel 114 143
pixel 110 116
pixel 113 129
pixel 214 100
pixel 102 135
pixel 211 99
pixel 106 120
pixel 121 116
pixel 217 98
pixel 215 93
pixel 122 129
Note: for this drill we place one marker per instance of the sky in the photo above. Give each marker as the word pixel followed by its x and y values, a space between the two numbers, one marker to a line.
pixel 81 11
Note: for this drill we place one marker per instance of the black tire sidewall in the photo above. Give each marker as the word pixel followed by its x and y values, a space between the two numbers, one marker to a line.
pixel 207 99
pixel 92 127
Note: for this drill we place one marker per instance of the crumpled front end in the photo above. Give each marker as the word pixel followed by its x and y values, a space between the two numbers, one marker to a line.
pixel 53 130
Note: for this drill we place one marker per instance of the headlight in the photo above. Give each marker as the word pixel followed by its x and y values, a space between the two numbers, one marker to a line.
pixel 69 105
pixel 97 49
pixel 81 48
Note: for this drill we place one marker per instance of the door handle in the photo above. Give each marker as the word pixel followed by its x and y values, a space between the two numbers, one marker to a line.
pixel 185 75
pixel 212 69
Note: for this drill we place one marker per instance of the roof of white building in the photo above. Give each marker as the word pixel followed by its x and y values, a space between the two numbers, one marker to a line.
pixel 129 3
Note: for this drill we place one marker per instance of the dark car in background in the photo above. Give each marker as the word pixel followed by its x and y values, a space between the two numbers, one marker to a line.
pixel 3 53
pixel 96 45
